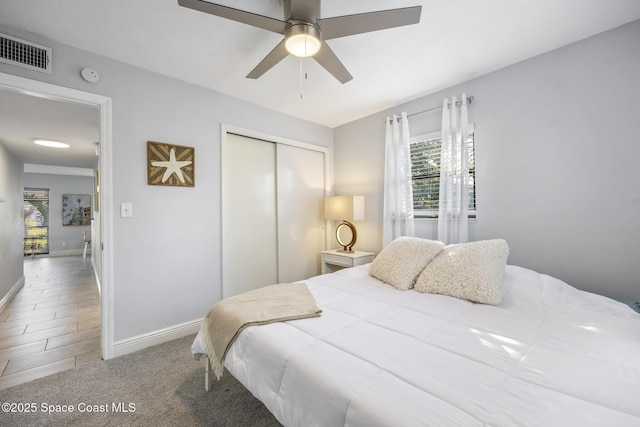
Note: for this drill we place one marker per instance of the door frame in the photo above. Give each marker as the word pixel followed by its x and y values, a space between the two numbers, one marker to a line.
pixel 60 93
pixel 226 129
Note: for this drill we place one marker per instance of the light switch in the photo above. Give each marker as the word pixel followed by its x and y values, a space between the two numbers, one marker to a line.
pixel 126 210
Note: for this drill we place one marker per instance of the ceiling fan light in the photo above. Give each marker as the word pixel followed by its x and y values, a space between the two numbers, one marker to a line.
pixel 302 40
pixel 49 143
pixel 302 45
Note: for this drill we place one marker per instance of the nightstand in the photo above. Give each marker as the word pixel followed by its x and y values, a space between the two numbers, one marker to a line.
pixel 333 260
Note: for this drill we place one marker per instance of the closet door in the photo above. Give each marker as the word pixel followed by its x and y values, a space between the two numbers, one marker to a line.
pixel 300 194
pixel 249 241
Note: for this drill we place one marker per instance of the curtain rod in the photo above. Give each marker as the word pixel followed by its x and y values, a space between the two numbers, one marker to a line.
pixel 458 103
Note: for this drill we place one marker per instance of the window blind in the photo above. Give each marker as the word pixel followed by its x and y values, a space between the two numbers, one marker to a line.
pixel 425 175
pixel 36 219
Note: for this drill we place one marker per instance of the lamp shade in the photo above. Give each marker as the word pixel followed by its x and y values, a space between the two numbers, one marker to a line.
pixel 350 208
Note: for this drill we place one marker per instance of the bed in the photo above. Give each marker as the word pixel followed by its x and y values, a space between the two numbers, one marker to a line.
pixel 547 355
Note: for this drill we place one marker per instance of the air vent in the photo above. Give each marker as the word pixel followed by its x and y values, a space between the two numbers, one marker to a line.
pixel 25 54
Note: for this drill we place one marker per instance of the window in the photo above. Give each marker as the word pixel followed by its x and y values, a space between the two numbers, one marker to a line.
pixel 425 175
pixel 36 221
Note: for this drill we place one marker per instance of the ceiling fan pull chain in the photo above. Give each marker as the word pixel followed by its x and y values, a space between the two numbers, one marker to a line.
pixel 302 73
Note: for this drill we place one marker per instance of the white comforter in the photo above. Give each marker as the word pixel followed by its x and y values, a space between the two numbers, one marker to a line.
pixel 549 355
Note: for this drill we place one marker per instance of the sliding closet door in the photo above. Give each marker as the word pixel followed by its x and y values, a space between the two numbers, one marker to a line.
pixel 300 184
pixel 249 252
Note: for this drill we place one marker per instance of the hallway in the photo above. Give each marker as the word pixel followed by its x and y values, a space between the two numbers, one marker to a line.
pixel 53 323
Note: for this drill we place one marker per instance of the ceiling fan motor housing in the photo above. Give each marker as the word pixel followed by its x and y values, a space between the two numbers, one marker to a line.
pixel 303 39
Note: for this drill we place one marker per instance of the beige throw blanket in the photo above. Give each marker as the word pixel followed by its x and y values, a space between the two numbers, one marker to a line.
pixel 275 303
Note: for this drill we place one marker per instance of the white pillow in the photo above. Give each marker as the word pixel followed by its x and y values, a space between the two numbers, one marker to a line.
pixel 400 263
pixel 471 271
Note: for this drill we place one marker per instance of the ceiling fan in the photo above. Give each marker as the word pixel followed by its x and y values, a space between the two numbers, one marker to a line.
pixel 305 33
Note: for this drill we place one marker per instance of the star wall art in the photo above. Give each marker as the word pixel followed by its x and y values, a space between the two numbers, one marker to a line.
pixel 172 165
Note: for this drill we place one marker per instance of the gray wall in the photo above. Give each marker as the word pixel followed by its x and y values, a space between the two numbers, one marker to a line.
pixel 11 224
pixel 556 156
pixel 167 256
pixel 63 240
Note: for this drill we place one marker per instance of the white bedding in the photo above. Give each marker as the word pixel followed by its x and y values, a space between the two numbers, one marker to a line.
pixel 548 355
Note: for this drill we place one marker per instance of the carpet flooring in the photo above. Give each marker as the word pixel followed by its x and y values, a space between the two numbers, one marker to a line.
pixel 157 386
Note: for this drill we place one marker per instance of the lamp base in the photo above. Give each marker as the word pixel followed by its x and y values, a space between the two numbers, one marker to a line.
pixel 346 251
pixel 348 246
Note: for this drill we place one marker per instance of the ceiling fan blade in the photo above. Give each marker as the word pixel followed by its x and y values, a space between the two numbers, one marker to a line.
pixel 275 56
pixel 328 59
pixel 238 15
pixel 347 25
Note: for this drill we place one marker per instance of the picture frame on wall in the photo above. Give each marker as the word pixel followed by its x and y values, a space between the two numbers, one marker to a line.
pixel 76 209
pixel 170 165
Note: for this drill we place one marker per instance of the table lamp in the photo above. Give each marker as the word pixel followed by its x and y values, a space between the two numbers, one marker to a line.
pixel 347 209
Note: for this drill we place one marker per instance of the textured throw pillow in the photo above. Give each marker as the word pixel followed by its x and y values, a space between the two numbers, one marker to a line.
pixel 471 271
pixel 400 263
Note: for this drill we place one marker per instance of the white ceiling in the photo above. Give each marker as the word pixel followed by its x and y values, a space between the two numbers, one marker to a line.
pixel 456 40
pixel 24 118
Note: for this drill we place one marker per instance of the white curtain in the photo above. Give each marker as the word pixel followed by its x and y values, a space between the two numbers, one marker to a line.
pixel 454 173
pixel 398 193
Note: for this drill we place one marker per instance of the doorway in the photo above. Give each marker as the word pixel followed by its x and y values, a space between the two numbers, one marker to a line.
pixel 103 232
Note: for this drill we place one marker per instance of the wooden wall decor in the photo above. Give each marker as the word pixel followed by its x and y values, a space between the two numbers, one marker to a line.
pixel 169 164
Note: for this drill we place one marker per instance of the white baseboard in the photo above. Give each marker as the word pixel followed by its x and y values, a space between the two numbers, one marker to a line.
pixel 14 290
pixel 129 345
pixel 71 252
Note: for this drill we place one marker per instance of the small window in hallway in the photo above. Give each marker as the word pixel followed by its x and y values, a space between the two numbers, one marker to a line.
pixel 36 221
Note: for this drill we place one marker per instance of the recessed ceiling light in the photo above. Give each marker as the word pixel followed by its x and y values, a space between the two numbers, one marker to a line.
pixel 49 143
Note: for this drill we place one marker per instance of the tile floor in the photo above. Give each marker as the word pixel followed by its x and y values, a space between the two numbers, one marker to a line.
pixel 53 323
